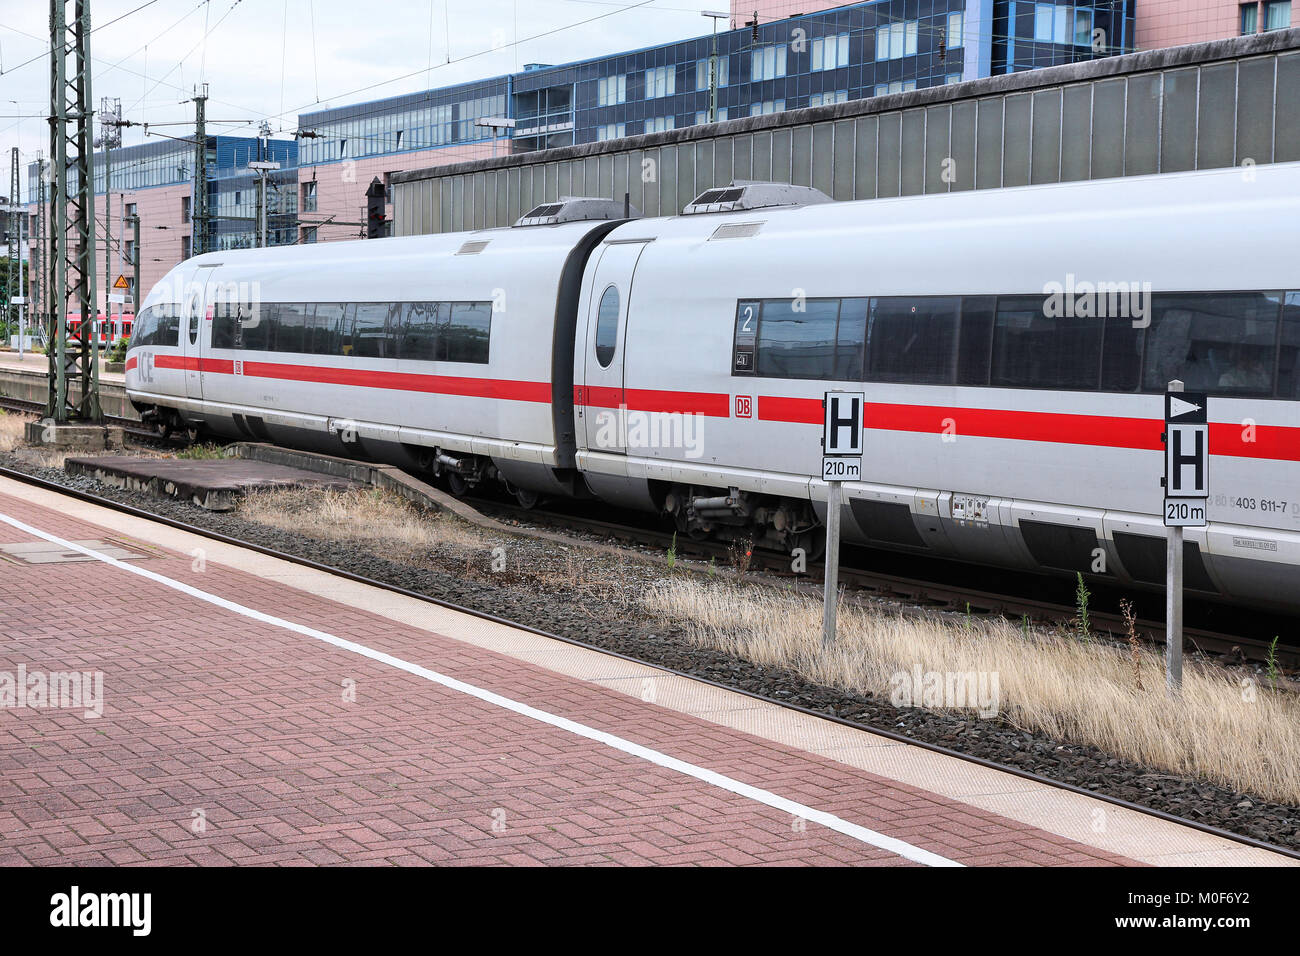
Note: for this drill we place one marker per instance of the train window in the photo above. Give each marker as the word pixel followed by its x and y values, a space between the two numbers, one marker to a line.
pixel 607 327
pixel 291 327
pixel 256 326
pixel 796 337
pixel 1288 366
pixel 326 337
pixel 196 309
pixel 146 327
pixel 224 319
pixel 851 339
pixel 1032 349
pixel 1121 355
pixel 420 331
pixel 975 339
pixel 912 339
pixel 468 332
pixel 370 335
pixel 1223 343
pixel 345 329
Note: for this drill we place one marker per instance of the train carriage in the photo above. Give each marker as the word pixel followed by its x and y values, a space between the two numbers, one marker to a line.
pixel 437 352
pixel 1013 346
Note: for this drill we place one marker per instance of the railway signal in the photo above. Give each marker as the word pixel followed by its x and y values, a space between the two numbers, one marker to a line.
pixel 1187 486
pixel 375 198
pixel 842 440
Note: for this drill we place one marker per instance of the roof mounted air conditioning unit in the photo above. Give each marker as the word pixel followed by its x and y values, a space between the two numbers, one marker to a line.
pixel 743 194
pixel 575 208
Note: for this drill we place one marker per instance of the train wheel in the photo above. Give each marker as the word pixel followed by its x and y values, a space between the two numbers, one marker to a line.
pixel 527 499
pixel 456 484
pixel 164 428
pixel 193 433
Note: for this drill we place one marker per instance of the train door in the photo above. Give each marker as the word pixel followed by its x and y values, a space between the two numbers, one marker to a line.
pixel 603 399
pixel 191 334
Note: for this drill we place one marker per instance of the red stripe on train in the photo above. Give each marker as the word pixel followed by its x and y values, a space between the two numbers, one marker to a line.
pixel 368 378
pixel 131 363
pixel 1277 442
pixel 653 400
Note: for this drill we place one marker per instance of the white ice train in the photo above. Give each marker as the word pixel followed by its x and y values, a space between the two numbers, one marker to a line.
pixel 1013 345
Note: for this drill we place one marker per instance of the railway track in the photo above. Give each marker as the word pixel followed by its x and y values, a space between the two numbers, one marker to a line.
pixel 923 591
pixel 131 426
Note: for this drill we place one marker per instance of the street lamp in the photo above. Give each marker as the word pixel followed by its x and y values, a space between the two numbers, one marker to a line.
pixel 496 124
pixel 715 16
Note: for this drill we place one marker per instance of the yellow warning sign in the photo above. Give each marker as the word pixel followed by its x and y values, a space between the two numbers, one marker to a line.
pixel 121 283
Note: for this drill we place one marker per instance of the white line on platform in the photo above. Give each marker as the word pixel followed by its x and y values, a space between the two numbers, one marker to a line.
pixel 723 782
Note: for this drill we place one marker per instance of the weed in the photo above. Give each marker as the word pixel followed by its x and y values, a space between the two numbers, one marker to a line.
pixel 1082 626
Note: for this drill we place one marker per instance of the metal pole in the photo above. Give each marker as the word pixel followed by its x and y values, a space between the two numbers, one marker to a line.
pixel 59 257
pixel 14 264
pixel 108 234
pixel 38 257
pixel 121 254
pixel 713 76
pixel 1174 599
pixel 135 265
pixel 199 204
pixel 22 279
pixel 832 584
pixel 261 210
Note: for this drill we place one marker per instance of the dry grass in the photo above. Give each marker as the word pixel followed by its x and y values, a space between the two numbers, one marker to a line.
pixel 1244 737
pixel 12 439
pixel 377 520
pixel 11 430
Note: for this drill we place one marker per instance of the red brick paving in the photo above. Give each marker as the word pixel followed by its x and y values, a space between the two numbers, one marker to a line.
pixel 207 710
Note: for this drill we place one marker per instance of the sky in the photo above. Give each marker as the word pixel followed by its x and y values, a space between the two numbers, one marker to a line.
pixel 271 59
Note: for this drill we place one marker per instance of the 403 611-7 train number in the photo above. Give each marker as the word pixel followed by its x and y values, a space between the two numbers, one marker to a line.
pixel 1266 505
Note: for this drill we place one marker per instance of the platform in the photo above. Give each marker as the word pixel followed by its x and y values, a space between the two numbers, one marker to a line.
pixel 256 711
pixel 216 484
pixel 40 362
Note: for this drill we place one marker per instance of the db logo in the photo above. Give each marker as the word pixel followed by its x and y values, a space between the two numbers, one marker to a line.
pixel 744 406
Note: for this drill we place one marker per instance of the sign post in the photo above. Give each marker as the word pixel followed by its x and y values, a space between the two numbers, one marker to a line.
pixel 842 435
pixel 1187 486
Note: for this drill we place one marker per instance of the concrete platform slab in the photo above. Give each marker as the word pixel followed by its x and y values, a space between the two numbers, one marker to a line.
pixel 215 484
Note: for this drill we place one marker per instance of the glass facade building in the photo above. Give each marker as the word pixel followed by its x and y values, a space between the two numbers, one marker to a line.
pixel 416 121
pixel 846 53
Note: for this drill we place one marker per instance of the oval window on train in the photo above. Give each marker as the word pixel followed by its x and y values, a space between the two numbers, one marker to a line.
pixel 607 327
pixel 195 305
